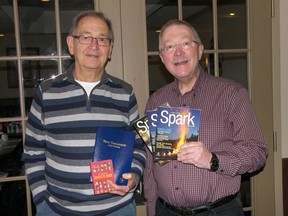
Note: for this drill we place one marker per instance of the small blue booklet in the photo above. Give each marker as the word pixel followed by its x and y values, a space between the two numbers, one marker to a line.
pixel 117 145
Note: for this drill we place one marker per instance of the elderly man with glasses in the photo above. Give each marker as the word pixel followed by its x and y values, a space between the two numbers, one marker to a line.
pixel 62 128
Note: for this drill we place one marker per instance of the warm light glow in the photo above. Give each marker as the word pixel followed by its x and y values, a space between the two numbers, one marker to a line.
pixel 206 62
pixel 182 135
pixel 232 14
pixel 2 35
pixel 45 0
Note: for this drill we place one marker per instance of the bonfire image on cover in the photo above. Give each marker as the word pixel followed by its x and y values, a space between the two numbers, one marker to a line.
pixel 175 126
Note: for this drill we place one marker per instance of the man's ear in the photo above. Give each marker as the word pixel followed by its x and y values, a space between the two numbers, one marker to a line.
pixel 110 51
pixel 70 43
pixel 200 51
pixel 161 57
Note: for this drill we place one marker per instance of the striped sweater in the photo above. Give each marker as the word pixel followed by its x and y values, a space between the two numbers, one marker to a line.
pixel 60 137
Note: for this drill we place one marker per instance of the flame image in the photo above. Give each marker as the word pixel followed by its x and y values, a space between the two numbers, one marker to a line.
pixel 182 138
pixel 182 134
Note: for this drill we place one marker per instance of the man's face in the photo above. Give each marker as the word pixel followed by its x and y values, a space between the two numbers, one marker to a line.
pixel 90 56
pixel 183 60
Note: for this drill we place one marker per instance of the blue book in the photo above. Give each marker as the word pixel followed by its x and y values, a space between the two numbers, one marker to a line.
pixel 175 126
pixel 117 145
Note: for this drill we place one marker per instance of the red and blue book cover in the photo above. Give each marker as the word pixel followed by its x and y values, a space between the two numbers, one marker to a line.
pixel 116 145
pixel 102 172
pixel 175 126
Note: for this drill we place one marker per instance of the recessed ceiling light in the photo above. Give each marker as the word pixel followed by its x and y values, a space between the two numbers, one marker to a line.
pixel 45 0
pixel 232 14
pixel 2 35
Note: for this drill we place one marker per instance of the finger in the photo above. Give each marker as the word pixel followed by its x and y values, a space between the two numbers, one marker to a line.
pixel 127 176
pixel 120 190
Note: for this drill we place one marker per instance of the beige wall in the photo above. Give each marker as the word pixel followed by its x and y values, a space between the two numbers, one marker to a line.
pixel 129 60
pixel 284 75
pixel 280 94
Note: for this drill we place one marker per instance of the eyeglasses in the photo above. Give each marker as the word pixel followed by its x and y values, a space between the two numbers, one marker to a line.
pixel 185 45
pixel 101 41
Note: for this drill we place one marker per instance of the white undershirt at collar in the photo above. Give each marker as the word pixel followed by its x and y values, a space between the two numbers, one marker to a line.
pixel 88 86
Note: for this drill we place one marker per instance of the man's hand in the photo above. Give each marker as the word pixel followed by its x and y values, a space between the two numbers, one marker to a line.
pixel 195 153
pixel 122 190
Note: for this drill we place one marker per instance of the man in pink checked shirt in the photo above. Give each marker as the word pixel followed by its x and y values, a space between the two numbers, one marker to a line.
pixel 206 177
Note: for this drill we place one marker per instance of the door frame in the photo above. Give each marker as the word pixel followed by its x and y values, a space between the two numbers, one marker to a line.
pixel 262 100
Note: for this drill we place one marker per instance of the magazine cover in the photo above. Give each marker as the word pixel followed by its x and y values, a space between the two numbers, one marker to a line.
pixel 142 128
pixel 175 126
pixel 117 145
pixel 152 124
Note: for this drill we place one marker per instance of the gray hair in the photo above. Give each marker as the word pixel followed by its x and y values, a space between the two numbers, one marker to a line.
pixel 95 14
pixel 178 22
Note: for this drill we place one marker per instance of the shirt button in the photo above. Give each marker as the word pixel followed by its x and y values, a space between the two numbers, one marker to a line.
pixel 175 167
pixel 176 188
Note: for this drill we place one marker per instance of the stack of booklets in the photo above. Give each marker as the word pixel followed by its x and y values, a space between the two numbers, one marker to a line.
pixel 112 157
pixel 165 129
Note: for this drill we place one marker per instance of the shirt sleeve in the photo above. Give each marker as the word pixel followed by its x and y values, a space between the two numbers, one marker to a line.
pixel 249 150
pixel 150 189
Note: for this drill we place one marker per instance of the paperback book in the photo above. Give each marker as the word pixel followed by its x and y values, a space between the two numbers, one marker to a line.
pixel 175 126
pixel 116 145
pixel 101 173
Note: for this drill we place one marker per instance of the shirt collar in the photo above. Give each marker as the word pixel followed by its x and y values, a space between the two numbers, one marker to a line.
pixel 199 81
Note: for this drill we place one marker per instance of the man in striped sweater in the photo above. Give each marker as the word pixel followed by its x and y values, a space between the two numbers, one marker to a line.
pixel 62 127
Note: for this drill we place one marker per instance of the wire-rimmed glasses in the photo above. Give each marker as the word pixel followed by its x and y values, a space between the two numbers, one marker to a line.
pixel 185 45
pixel 101 41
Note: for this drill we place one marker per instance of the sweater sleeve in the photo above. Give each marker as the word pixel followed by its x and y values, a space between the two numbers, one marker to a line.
pixel 34 150
pixel 139 154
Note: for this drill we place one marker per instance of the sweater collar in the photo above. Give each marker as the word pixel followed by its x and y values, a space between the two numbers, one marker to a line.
pixel 70 76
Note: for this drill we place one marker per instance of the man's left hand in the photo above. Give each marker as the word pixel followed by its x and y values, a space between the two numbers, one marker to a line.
pixel 122 190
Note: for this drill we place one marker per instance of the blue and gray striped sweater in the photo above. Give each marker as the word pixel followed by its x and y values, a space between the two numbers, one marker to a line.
pixel 60 137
